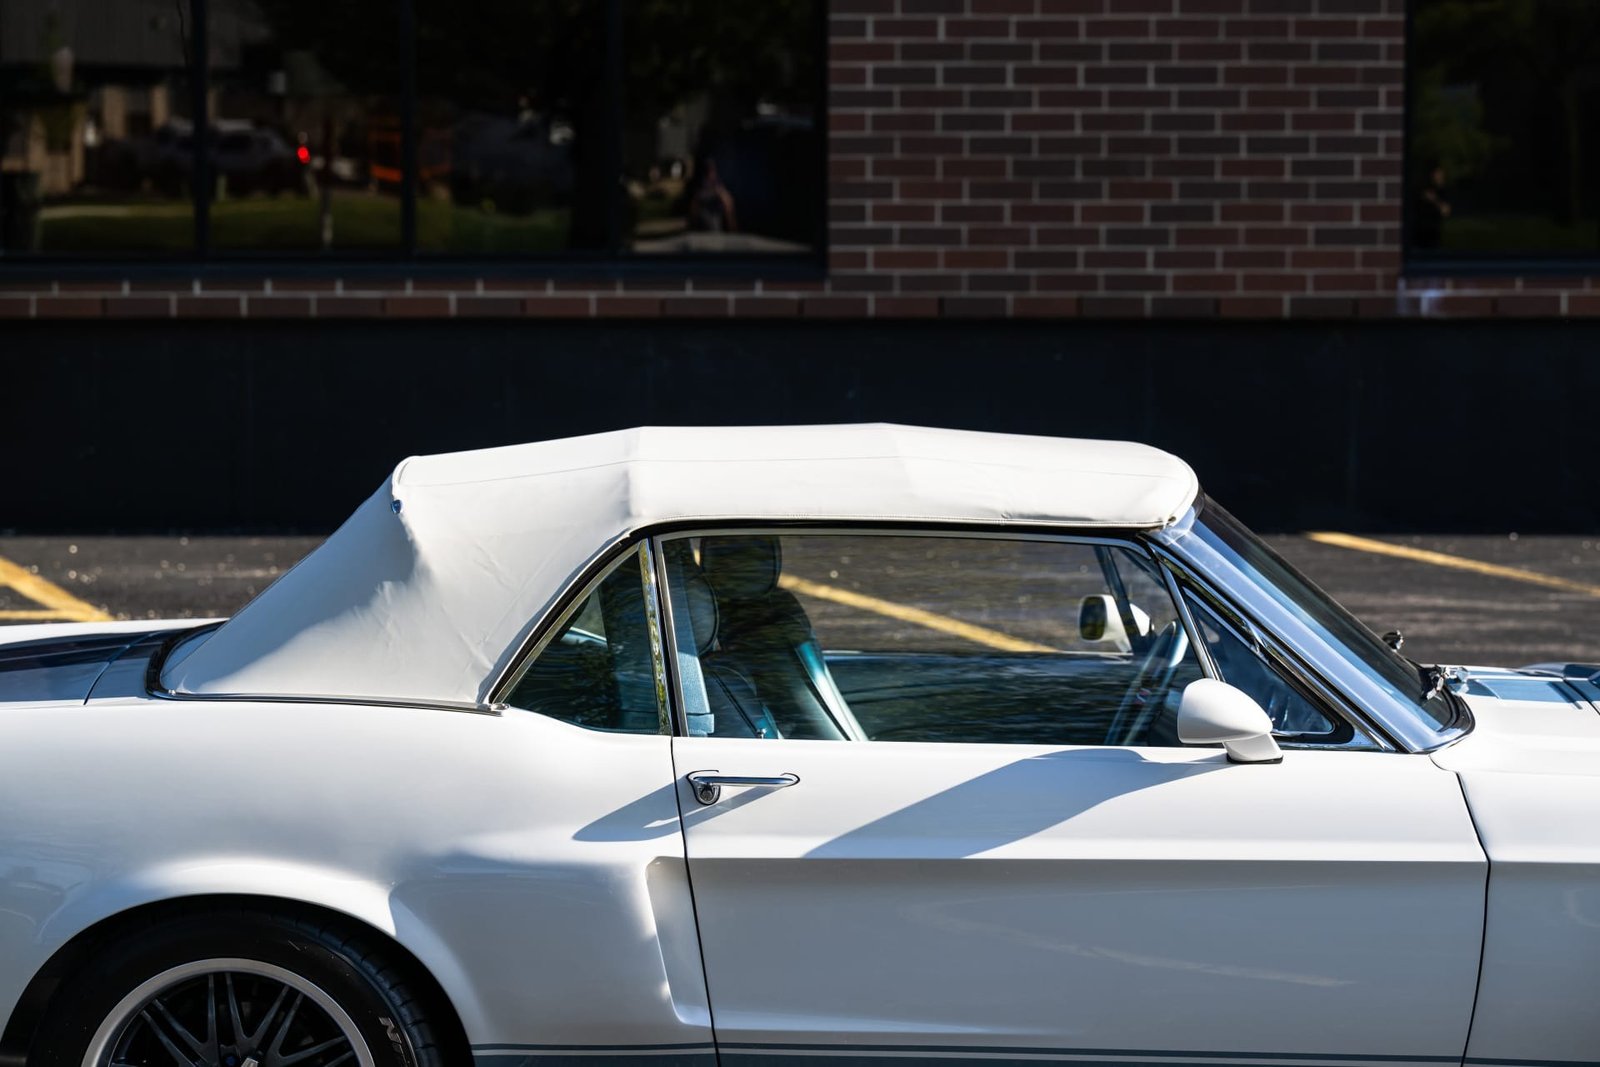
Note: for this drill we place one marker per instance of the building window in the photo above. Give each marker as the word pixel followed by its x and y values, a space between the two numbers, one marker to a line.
pixel 383 130
pixel 1503 157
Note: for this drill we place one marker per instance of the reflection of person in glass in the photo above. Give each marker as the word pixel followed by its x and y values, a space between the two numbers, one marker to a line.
pixel 1431 210
pixel 712 207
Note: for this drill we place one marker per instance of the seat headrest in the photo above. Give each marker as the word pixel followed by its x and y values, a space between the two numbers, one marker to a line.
pixel 702 612
pixel 741 567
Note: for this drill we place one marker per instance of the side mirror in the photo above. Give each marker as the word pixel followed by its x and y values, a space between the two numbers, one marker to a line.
pixel 1214 712
pixel 1099 620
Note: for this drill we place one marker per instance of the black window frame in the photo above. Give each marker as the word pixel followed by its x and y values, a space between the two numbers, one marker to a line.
pixel 407 261
pixel 1435 263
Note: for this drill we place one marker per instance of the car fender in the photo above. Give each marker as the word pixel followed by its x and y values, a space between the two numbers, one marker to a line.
pixel 268 880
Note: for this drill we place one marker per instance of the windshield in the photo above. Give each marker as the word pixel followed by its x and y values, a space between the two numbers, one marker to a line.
pixel 1321 613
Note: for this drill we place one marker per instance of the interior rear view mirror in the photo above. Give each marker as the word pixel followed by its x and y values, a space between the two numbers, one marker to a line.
pixel 1099 620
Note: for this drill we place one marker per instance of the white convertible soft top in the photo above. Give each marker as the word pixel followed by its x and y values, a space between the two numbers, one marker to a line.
pixel 429 589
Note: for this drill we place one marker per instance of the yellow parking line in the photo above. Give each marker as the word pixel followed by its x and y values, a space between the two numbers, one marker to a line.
pixel 49 594
pixel 981 635
pixel 1460 563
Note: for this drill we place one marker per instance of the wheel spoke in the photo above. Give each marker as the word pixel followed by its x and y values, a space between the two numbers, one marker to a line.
pixel 241 1011
pixel 240 1038
pixel 275 1050
pixel 180 1057
pixel 307 1053
pixel 196 1045
pixel 253 1040
pixel 212 1051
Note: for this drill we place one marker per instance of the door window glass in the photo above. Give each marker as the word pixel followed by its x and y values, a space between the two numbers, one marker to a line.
pixel 925 638
pixel 598 669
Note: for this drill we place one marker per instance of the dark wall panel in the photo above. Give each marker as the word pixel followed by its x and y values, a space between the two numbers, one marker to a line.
pixel 221 425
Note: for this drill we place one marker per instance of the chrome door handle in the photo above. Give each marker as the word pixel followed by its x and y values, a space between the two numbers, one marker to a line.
pixel 707 785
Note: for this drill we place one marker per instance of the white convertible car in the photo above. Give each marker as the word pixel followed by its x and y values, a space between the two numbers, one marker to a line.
pixel 803 747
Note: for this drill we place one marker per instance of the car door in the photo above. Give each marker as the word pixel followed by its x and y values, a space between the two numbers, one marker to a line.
pixel 1114 903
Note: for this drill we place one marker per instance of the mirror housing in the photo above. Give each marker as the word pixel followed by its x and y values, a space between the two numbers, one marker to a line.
pixel 1213 712
pixel 1099 620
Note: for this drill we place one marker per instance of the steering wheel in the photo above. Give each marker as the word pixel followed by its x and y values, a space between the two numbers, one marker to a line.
pixel 1147 692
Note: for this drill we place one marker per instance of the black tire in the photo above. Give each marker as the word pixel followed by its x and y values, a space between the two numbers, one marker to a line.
pixel 388 1013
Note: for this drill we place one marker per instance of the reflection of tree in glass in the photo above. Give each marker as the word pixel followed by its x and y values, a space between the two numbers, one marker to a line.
pixel 1534 63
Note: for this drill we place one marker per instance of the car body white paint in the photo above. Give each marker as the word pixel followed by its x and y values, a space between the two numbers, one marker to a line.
pixel 980 902
pixel 1531 773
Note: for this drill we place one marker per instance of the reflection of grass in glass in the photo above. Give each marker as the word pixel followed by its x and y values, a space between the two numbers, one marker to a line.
pixel 443 226
pixel 1518 233
pixel 279 223
pixel 286 223
pixel 152 226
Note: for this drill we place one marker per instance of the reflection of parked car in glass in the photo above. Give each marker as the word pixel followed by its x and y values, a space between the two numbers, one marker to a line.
pixel 256 159
pixel 246 157
pixel 514 165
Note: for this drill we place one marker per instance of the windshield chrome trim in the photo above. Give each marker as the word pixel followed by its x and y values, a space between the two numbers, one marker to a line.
pixel 1282 660
pixel 1386 718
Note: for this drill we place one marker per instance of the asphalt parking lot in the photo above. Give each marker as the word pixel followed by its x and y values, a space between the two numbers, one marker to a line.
pixel 1502 600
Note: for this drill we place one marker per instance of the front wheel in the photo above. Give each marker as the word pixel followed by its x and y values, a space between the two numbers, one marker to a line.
pixel 238 989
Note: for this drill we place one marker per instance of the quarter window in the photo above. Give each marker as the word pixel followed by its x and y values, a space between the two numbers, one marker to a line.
pixel 1240 663
pixel 598 669
pixel 925 638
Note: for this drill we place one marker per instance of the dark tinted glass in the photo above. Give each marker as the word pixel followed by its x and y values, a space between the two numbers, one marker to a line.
pixel 1503 156
pixel 513 127
pixel 598 671
pixel 95 110
pixel 722 150
pixel 305 141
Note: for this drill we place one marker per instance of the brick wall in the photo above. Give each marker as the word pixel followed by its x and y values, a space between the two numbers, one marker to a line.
pixel 1029 158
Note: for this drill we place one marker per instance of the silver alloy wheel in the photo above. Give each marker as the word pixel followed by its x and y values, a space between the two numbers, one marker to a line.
pixel 228 1013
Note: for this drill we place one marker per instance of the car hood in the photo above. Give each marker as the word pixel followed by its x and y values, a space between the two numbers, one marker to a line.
pixel 1538 720
pixel 60 662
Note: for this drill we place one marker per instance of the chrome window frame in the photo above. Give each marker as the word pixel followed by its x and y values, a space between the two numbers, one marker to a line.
pixel 1391 723
pixel 1364 736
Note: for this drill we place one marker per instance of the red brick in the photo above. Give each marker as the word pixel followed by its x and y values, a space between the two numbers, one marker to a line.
pixel 1109 307
pixel 278 307
pixel 1531 305
pixel 905 307
pixel 15 307
pixel 138 307
pixel 222 306
pixel 578 307
pixel 1460 305
pixel 1251 307
pixel 835 307
pixel 703 307
pixel 1183 307
pixel 69 307
pixel 1051 307
pixel 340 306
pixel 1323 307
pixel 420 307
pixel 982 307
pixel 503 306
pixel 766 306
